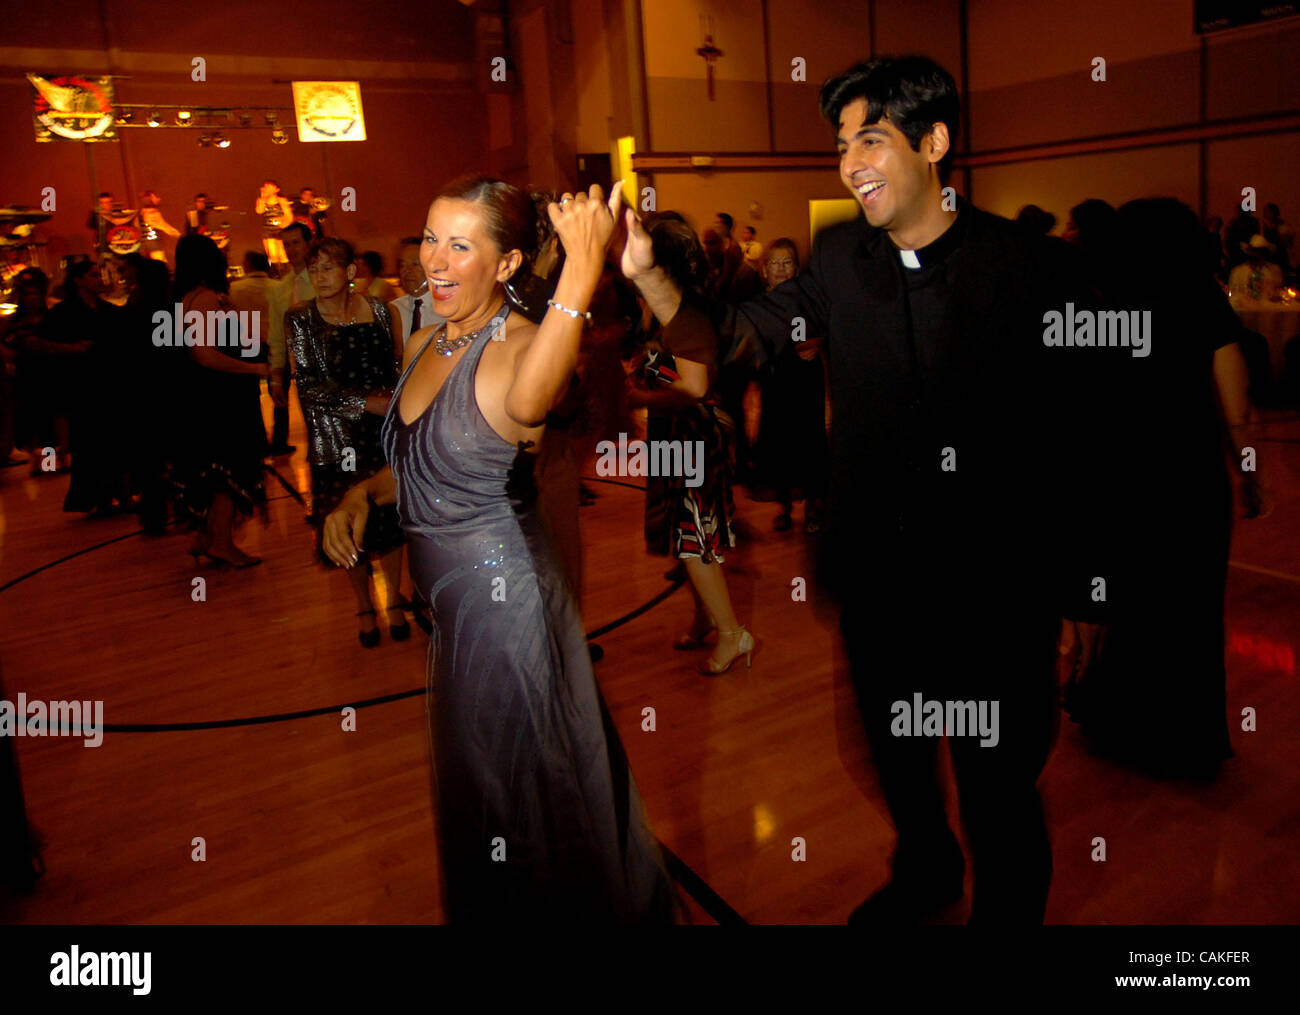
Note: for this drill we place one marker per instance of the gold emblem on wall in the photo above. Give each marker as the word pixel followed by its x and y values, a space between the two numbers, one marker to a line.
pixel 73 107
pixel 329 111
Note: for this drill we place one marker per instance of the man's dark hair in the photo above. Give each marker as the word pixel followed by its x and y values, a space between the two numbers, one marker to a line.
pixel 727 220
pixel 199 261
pixel 105 193
pixel 912 92
pixel 373 261
pixel 300 229
pixel 255 260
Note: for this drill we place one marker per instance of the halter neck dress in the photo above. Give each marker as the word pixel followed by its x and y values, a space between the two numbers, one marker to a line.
pixel 539 818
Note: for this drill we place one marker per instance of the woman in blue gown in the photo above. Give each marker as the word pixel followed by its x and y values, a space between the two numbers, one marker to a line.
pixel 539 819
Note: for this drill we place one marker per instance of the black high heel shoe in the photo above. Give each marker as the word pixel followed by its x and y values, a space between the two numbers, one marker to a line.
pixel 402 631
pixel 368 639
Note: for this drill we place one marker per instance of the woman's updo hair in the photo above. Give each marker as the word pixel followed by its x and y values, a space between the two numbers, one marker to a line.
pixel 677 250
pixel 515 219
pixel 337 250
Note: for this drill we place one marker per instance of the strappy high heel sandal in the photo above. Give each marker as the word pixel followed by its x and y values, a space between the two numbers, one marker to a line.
pixel 745 648
pixel 369 639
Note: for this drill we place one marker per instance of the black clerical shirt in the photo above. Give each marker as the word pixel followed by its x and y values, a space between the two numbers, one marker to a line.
pixel 963 448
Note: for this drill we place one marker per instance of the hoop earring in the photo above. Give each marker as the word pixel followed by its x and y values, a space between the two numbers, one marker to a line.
pixel 510 292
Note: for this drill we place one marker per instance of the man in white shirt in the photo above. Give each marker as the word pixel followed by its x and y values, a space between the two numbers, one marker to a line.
pixel 294 288
pixel 414 310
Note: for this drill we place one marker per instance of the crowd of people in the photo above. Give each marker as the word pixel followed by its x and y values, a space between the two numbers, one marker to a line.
pixel 449 421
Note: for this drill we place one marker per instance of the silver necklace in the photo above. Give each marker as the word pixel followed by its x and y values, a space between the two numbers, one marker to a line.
pixel 443 347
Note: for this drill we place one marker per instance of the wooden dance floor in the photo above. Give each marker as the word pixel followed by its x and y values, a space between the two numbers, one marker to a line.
pixel 306 823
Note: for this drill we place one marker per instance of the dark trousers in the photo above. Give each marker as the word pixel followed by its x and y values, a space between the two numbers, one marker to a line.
pixel 279 426
pixel 901 644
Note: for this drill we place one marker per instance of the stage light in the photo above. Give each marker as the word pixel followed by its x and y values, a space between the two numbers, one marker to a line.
pixel 221 141
pixel 272 119
pixel 154 120
pixel 183 117
pixel 204 140
pixel 245 119
pixel 124 116
pixel 278 136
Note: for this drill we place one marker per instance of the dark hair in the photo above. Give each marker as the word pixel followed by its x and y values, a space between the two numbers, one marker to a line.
pixel 509 214
pixel 104 193
pixel 373 261
pixel 1094 220
pixel 32 278
pixel 1168 222
pixel 151 284
pixel 783 243
pixel 200 194
pixel 677 250
pixel 300 229
pixel 1036 219
pixel 751 229
pixel 199 261
pixel 912 92
pixel 301 189
pixel 727 220
pixel 75 270
pixel 257 260
pixel 136 260
pixel 337 250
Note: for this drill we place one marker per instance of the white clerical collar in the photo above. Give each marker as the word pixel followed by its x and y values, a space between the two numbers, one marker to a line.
pixel 910 260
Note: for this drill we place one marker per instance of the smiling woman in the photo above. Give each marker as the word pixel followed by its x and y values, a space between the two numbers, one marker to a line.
pixel 538 817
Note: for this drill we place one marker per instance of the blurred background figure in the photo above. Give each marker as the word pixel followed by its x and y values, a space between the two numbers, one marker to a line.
pixel 28 422
pixel 220 471
pixel 1036 220
pixel 276 214
pixel 310 211
pixel 412 310
pixel 84 389
pixel 1164 656
pixel 370 281
pixel 1258 277
pixel 152 224
pixel 792 452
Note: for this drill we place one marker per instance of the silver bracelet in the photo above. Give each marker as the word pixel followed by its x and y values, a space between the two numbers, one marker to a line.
pixel 575 314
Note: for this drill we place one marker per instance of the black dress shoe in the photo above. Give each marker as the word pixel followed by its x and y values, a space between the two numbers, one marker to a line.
pixel 906 902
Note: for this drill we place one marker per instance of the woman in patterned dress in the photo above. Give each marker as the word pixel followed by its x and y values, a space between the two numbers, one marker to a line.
pixel 345 365
pixel 691 521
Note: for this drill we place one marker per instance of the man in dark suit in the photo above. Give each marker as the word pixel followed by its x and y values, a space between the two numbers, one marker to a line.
pixel 969 511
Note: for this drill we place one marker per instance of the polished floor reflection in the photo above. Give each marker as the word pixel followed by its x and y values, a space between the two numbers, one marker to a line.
pixel 304 822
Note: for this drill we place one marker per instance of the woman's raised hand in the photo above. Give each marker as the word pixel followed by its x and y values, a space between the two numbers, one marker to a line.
pixel 638 253
pixel 585 223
